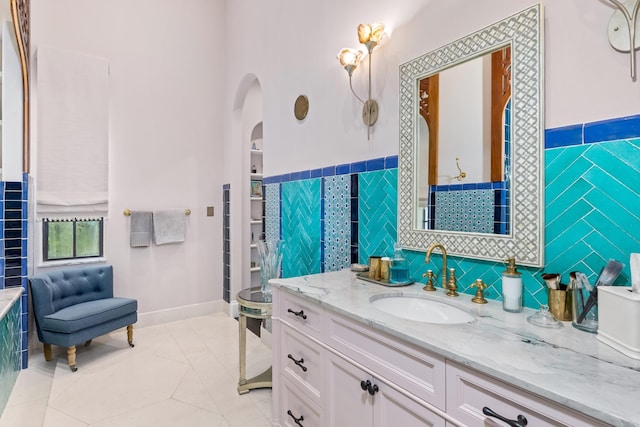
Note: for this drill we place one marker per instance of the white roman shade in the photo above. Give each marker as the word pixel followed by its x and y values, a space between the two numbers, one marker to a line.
pixel 73 134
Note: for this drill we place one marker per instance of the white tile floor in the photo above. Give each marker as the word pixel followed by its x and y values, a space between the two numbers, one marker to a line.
pixel 178 374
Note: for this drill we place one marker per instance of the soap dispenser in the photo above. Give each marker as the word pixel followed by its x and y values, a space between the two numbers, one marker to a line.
pixel 511 287
pixel 399 270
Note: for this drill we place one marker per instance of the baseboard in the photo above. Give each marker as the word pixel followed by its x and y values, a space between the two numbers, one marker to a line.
pixel 233 309
pixel 179 313
pixel 265 336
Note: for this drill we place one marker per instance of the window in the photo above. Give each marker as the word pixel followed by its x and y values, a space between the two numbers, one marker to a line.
pixel 72 239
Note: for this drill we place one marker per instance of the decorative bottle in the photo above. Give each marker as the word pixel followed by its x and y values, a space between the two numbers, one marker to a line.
pixel 399 270
pixel 511 287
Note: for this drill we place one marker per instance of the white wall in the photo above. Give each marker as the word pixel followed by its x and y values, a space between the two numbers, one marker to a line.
pixel 291 46
pixel 166 131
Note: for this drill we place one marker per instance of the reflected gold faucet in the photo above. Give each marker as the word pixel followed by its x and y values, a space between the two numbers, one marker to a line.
pixel 451 284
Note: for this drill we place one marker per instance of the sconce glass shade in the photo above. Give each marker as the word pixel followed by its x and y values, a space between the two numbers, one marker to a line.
pixel 350 59
pixel 370 34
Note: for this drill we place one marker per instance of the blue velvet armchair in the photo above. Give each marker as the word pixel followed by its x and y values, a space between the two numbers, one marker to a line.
pixel 75 305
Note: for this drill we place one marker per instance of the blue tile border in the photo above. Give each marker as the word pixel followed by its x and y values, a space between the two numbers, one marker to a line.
pixel 390 162
pixel 609 130
pixel 588 133
pixel 563 136
pixel 375 165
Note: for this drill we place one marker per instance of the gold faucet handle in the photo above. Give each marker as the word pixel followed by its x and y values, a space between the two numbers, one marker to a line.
pixel 430 279
pixel 452 283
pixel 479 297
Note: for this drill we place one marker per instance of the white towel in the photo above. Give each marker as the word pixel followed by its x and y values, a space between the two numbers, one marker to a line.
pixel 140 235
pixel 168 226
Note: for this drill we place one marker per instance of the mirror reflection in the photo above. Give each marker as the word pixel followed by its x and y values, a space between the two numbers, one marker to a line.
pixel 463 146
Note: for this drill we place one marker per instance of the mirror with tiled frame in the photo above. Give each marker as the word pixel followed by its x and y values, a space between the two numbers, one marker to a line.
pixel 524 239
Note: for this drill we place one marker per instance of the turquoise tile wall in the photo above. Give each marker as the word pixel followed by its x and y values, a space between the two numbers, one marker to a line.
pixel 10 352
pixel 300 224
pixel 592 212
pixel 377 213
pixel 592 206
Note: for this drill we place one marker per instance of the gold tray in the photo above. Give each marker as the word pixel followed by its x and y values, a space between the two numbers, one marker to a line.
pixel 365 276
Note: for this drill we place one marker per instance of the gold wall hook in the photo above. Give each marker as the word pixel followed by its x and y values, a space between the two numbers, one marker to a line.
pixel 462 174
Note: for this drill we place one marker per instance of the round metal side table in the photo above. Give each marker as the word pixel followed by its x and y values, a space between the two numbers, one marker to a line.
pixel 256 305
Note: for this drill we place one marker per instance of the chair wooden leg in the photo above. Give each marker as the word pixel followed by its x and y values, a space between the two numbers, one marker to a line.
pixel 47 353
pixel 71 356
pixel 130 335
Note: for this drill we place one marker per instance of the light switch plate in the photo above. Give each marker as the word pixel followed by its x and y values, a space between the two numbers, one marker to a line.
pixel 209 210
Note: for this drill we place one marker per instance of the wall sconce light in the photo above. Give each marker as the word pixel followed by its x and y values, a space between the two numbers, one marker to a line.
pixel 622 30
pixel 369 35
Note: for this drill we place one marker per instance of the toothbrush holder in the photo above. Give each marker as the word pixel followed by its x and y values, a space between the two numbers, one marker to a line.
pixel 560 304
pixel 590 320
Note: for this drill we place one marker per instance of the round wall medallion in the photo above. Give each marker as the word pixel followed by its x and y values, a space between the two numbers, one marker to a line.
pixel 301 107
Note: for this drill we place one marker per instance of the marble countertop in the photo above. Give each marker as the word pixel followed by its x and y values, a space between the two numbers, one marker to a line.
pixel 7 298
pixel 566 365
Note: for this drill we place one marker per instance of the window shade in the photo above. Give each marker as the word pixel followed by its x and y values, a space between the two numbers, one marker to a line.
pixel 73 133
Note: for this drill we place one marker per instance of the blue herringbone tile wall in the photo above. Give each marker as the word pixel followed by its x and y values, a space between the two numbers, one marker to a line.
pixel 592 213
pixel 592 207
pixel 377 213
pixel 300 222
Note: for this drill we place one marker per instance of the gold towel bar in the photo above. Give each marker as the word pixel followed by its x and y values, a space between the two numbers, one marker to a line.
pixel 127 212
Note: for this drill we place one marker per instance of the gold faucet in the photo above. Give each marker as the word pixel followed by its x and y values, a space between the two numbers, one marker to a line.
pixel 450 284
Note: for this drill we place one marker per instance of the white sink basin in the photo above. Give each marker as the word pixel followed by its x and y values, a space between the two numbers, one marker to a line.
pixel 420 309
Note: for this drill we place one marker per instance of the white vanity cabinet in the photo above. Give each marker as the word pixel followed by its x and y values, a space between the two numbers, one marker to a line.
pixel 331 371
pixel 357 398
pixel 468 392
pixel 426 374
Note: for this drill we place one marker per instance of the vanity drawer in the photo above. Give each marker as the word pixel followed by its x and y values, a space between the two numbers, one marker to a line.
pixel 308 372
pixel 301 314
pixel 411 368
pixel 469 391
pixel 294 406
